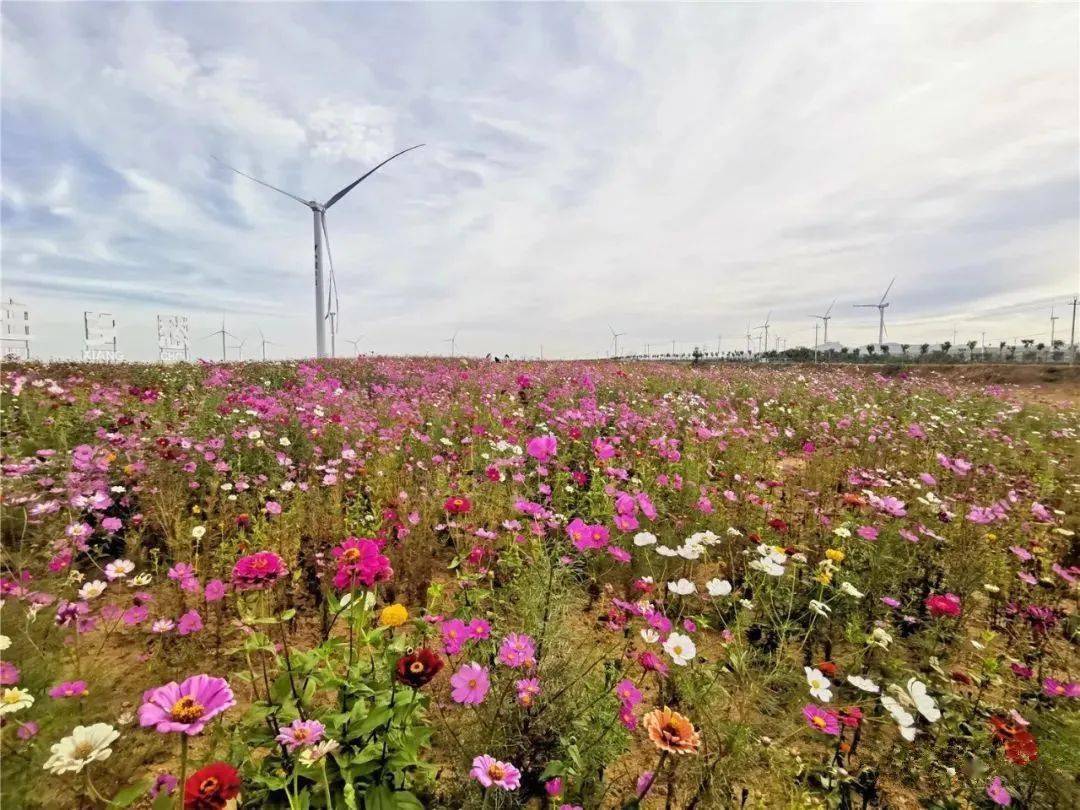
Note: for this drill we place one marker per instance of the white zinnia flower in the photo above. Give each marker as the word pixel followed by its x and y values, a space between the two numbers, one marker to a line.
pixel 644 539
pixel 666 551
pixel 15 700
pixel 198 532
pixel 683 587
pixel 819 684
pixel 681 648
pixel 718 587
pixel 84 745
pixel 313 753
pixel 865 684
pixel 92 590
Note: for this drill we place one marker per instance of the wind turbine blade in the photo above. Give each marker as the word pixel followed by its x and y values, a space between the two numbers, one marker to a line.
pixel 830 307
pixel 363 177
pixel 882 301
pixel 260 182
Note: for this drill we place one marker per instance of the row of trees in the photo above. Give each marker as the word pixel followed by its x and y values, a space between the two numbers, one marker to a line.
pixel 1027 351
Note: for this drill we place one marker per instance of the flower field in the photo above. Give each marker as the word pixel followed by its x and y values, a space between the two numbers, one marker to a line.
pixel 391 584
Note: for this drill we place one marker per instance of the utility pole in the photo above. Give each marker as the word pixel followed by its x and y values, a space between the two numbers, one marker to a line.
pixel 1053 319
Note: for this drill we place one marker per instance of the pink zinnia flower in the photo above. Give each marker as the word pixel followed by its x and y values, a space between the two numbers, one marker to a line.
pixel 185 707
pixel 489 771
pixel 257 571
pixel 69 689
pixel 821 720
pixel 360 563
pixel 517 650
pixel 470 684
pixel 300 733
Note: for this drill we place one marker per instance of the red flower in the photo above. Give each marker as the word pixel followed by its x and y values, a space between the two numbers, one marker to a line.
pixel 827 668
pixel 211 787
pixel 1021 748
pixel 417 668
pixel 779 525
pixel 457 505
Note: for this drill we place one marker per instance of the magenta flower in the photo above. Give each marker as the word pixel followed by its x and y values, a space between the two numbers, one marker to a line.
pixel 214 591
pixel 190 622
pixel 257 571
pixel 1055 688
pixel 479 629
pixel 185 707
pixel 627 693
pixel 360 564
pixel 165 783
pixel 867 532
pixel 527 690
pixel 542 448
pixel 943 604
pixel 273 508
pixel 470 684
pixel 27 730
pixel 454 635
pixel 997 793
pixel 69 689
pixel 821 720
pixel 9 674
pixel 489 771
pixel 517 650
pixel 300 733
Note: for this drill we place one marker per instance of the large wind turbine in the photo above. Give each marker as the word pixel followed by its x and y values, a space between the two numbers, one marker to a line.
pixel 615 338
pixel 327 310
pixel 223 333
pixel 264 343
pixel 826 318
pixel 355 344
pixel 765 326
pixel 881 312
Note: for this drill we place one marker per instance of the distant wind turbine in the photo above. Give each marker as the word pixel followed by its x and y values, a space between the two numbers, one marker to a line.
pixel 881 305
pixel 264 343
pixel 452 340
pixel 327 310
pixel 355 344
pixel 826 318
pixel 223 333
pixel 615 341
pixel 749 337
pixel 765 326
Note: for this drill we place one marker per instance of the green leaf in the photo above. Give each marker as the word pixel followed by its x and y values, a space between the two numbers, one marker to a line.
pixel 127 796
pixel 379 797
pixel 377 718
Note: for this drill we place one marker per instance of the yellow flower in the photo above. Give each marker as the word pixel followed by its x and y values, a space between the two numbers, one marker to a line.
pixel 393 615
pixel 835 554
pixel 991 536
pixel 824 577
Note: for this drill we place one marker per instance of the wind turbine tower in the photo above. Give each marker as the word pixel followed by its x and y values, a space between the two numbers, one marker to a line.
pixel 825 319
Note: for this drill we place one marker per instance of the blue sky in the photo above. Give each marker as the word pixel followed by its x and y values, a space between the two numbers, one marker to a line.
pixel 674 171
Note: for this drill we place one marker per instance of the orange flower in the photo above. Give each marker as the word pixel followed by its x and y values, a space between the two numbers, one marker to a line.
pixel 670 731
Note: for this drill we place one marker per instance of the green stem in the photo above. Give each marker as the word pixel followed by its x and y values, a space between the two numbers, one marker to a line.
pixel 182 786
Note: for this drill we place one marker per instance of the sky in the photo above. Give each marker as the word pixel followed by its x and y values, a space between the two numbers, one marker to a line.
pixel 672 172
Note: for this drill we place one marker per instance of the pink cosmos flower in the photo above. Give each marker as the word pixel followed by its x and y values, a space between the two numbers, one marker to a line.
pixel 190 622
pixel 214 590
pixel 185 707
pixel 821 720
pixel 258 571
pixel 517 650
pixel 542 448
pixel 69 689
pixel 470 684
pixel 867 532
pixel 273 508
pixel 651 662
pixel 627 693
pixel 27 730
pixel 1055 688
pixel 527 690
pixel 454 635
pixel 489 771
pixel 479 629
pixel 9 674
pixel 360 563
pixel 997 793
pixel 943 604
pixel 300 733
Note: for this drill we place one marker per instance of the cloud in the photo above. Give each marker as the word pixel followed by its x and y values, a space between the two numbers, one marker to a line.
pixel 674 171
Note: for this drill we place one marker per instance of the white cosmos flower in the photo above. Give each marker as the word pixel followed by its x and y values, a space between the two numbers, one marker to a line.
pixel 15 700
pixel 666 551
pixel 681 648
pixel 819 684
pixel 5 642
pixel 84 745
pixel 820 608
pixel 118 569
pixel 771 568
pixel 902 717
pixel 198 532
pixel 718 587
pixel 880 638
pixel 851 590
pixel 92 590
pixel 690 551
pixel 644 539
pixel 140 580
pixel 683 587
pixel 926 705
pixel 649 635
pixel 865 684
